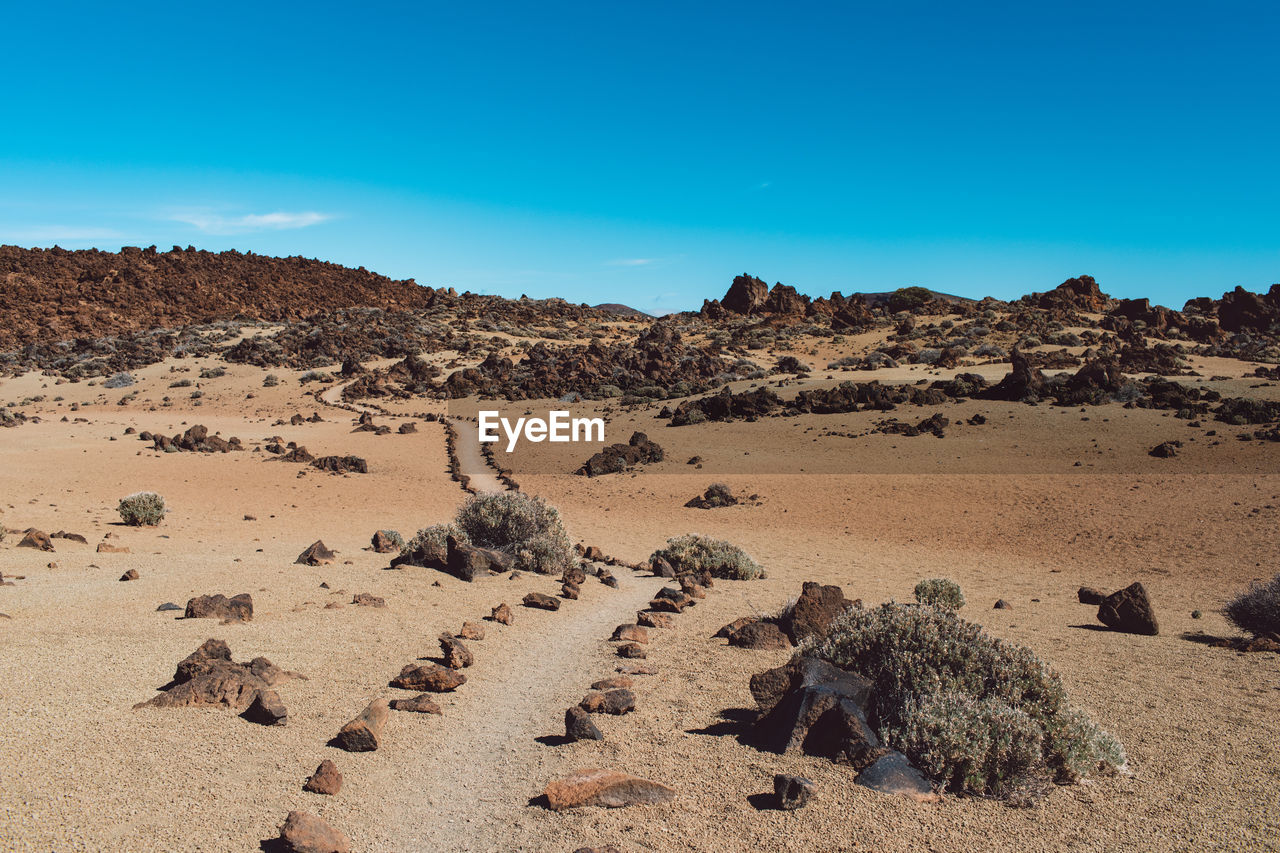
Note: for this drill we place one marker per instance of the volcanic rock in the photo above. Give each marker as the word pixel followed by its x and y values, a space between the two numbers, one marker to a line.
pixel 362 733
pixel 326 779
pixel 1129 610
pixel 579 726
pixel 238 608
pixel 429 676
pixel 420 704
pixel 793 792
pixel 540 601
pixel 305 833
pixel 316 555
pixel 456 654
pixel 608 788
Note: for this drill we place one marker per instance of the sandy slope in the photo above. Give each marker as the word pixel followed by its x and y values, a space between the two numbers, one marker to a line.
pixel 1003 510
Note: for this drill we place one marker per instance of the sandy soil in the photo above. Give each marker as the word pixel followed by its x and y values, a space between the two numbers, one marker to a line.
pixel 1001 508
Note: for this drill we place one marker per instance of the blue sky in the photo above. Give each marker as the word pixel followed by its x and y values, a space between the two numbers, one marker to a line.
pixel 647 153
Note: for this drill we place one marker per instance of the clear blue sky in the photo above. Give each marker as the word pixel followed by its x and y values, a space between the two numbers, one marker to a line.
pixel 646 153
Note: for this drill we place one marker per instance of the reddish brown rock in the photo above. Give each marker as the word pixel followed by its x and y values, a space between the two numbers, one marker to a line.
pixel 540 601
pixel 326 779
pixel 607 788
pixel 131 575
pixel 238 608
pixel 430 676
pixel 1129 611
pixel 579 726
pixel 420 704
pixel 617 701
pixel 654 620
pixel 455 653
pixel 316 555
pixel 306 833
pixel 813 612
pixel 108 548
pixel 501 614
pixel 382 543
pixel 365 599
pixel 631 634
pixel 471 631
pixel 759 635
pixel 734 626
pixel 208 676
pixel 616 682
pixel 362 733
pixel 632 650
pixel 1089 595
pixel 266 709
pixel 37 539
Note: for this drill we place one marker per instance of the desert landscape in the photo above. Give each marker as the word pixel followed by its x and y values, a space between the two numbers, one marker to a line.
pixel 890 571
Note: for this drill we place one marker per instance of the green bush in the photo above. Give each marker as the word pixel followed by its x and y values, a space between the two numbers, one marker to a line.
pixel 922 658
pixel 940 592
pixel 522 525
pixel 691 554
pixel 430 544
pixel 270 381
pixel 144 509
pixel 1257 610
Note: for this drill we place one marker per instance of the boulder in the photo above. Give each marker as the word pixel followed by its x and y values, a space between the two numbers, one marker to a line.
pixel 429 676
pixel 131 575
pixel 579 726
pixel 341 464
pixel 37 539
pixel 208 676
pixel 366 599
pixel 615 682
pixel 305 833
pixel 362 733
pixel 759 634
pixel 813 612
pixel 238 608
pixel 1129 610
pixel 382 543
pixel 892 773
pixel 745 295
pixel 1089 595
pixel 608 788
pixel 266 709
pixel 811 706
pixel 471 631
pixel 654 620
pixel 316 555
pixel 468 562
pixel 540 601
pixel 632 650
pixel 108 548
pixel 326 779
pixel 455 653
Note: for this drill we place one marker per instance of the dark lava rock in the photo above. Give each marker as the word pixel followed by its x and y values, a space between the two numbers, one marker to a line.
pixel 793 792
pixel 810 705
pixel 1129 610
pixel 1089 595
pixel 238 608
pixel 579 726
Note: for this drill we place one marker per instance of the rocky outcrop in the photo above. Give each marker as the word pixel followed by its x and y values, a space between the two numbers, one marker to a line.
pixel 619 457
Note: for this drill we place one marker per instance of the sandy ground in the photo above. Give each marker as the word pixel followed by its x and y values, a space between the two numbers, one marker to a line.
pixel 1001 508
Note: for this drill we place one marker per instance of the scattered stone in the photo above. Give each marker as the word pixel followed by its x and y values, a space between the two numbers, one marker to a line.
pixel 361 734
pixel 238 608
pixel 636 669
pixel 608 848
pixel 759 634
pixel 108 548
pixel 893 774
pixel 631 633
pixel 617 701
pixel 70 537
pixel 632 650
pixel 37 539
pixel 383 543
pixel 316 555
pixel 606 577
pixel 326 779
pixel 467 562
pixel 365 599
pixel 456 654
pixel 540 601
pixel 420 704
pixel 341 464
pixel 733 627
pixel 208 676
pixel 607 788
pixel 471 631
pixel 429 676
pixel 131 575
pixel 305 833
pixel 579 726
pixel 1165 450
pixel 570 591
pixel 266 709
pixel 813 612
pixel 501 614
pixel 167 606
pixel 793 792
pixel 616 682
pixel 1001 604
pixel 654 620
pixel 1129 610
pixel 1089 595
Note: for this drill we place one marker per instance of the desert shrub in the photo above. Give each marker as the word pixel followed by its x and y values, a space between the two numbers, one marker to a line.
pixel 270 381
pixel 431 543
pixel 143 509
pixel 940 592
pixel 693 553
pixel 929 355
pixel 991 351
pixel 213 372
pixel 513 522
pixel 395 537
pixel 181 383
pixel 719 492
pixel 1257 610
pixel 119 380
pixel 922 658
pixel 908 299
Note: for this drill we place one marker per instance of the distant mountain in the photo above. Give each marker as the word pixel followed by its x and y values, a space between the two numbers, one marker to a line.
pixel 622 311
pixel 54 294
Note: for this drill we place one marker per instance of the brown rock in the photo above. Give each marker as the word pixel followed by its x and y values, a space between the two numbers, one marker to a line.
pixel 37 539
pixel 365 599
pixel 420 704
pixel 383 543
pixel 631 633
pixel 1129 611
pixel 501 614
pixel 615 682
pixel 733 627
pixel 632 650
pixel 108 548
pixel 654 620
pixel 326 779
pixel 759 635
pixel 893 774
pixel 636 669
pixel 579 726
pixel 1089 595
pixel 316 555
pixel 266 709
pixel 430 676
pixel 238 608
pixel 362 733
pixel 456 654
pixel 208 676
pixel 617 701
pixel 570 591
pixel 131 575
pixel 471 631
pixel 540 601
pixel 793 792
pixel 814 611
pixel 607 788
pixel 306 833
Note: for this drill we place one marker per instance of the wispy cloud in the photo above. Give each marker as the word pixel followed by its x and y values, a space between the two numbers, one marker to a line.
pixel 58 233
pixel 763 185
pixel 280 220
pixel 632 262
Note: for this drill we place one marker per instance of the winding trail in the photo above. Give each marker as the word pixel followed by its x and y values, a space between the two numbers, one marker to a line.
pixel 471 461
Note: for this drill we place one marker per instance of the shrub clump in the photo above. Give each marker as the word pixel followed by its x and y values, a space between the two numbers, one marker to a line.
pixel 270 381
pixel 691 554
pixel 394 537
pixel 974 713
pixel 144 509
pixel 119 380
pixel 940 592
pixel 525 526
pixel 1256 611
pixel 430 544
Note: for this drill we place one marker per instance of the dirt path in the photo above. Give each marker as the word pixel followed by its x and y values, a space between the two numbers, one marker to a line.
pixel 467 776
pixel 472 461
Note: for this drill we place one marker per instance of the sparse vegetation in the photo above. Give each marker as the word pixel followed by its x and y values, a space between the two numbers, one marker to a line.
pixel 270 381
pixel 143 509
pixel 394 537
pixel 119 380
pixel 431 543
pixel 940 592
pixel 693 553
pixel 975 713
pixel 1256 611
pixel 522 525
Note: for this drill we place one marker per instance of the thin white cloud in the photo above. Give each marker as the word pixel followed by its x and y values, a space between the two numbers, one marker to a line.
pixel 213 223
pixel 632 262
pixel 58 233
